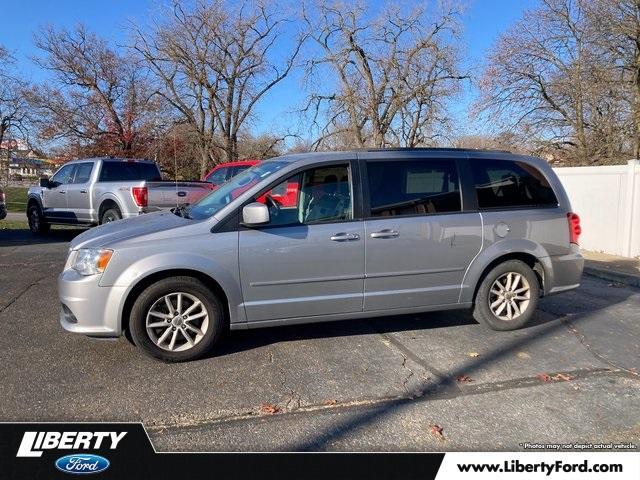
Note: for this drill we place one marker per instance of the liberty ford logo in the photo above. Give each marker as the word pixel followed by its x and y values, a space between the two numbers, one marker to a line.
pixel 82 463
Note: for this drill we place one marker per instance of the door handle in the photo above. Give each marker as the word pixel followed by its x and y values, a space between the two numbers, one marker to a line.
pixel 83 191
pixel 344 237
pixel 387 233
pixel 63 192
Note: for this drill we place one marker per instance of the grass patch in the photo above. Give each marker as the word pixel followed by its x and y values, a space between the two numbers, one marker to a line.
pixel 13 225
pixel 16 198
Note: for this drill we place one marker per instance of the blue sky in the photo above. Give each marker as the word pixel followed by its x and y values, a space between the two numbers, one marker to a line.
pixel 483 21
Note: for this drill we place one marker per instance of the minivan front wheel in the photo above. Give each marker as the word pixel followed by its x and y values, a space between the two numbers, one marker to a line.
pixel 507 296
pixel 176 319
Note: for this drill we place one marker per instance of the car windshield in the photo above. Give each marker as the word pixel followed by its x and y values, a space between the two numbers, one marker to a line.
pixel 232 189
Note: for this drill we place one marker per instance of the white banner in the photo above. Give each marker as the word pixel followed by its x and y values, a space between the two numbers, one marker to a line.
pixel 540 465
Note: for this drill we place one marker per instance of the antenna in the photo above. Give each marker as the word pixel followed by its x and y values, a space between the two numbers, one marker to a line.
pixel 175 164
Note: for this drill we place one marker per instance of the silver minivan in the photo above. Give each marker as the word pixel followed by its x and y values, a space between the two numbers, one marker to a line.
pixel 329 236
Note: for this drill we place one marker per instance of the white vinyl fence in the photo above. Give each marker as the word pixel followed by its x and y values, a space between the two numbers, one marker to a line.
pixel 607 198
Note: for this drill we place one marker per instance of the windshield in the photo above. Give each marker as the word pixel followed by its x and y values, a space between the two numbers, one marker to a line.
pixel 229 191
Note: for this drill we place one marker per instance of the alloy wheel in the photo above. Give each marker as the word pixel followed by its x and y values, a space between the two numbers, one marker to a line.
pixel 177 321
pixel 509 296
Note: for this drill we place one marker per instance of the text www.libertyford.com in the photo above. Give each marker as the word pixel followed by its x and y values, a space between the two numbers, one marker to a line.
pixel 559 466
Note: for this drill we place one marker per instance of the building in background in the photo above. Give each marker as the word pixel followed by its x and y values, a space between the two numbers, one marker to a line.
pixel 18 162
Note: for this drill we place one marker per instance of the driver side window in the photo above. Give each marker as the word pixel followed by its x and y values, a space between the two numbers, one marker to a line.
pixel 63 176
pixel 318 195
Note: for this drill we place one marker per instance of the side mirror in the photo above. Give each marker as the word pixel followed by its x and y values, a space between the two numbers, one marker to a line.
pixel 45 183
pixel 255 214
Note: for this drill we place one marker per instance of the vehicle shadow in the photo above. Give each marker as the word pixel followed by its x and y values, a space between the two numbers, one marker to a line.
pixel 242 340
pixel 17 237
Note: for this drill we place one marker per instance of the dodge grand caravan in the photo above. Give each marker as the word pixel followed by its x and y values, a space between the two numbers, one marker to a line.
pixel 370 233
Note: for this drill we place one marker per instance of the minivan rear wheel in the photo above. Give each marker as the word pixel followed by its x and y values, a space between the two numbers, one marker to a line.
pixel 507 296
pixel 176 319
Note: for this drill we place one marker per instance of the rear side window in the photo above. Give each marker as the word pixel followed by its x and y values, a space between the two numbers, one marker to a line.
pixel 129 171
pixel 503 183
pixel 413 187
pixel 83 172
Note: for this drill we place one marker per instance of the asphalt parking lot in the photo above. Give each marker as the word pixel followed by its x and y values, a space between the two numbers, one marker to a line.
pixel 384 384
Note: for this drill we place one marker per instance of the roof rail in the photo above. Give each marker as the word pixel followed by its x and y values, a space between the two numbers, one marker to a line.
pixel 432 149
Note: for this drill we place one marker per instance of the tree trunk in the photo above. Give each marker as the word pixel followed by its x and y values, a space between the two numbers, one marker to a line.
pixel 636 108
pixel 230 148
pixel 204 160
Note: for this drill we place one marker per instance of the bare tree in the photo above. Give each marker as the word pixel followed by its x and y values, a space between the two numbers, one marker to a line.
pixel 13 107
pixel 214 63
pixel 393 72
pixel 545 76
pixel 617 25
pixel 98 98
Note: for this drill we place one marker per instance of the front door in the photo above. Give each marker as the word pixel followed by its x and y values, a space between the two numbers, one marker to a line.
pixel 54 198
pixel 309 260
pixel 418 241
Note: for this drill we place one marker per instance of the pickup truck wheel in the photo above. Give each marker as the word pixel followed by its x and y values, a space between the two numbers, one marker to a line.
pixel 37 223
pixel 507 296
pixel 176 319
pixel 111 215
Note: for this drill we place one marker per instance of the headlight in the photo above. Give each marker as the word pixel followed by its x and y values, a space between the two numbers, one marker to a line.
pixel 90 261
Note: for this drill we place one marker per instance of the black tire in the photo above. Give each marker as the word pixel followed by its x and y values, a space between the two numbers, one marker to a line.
pixel 110 215
pixel 37 222
pixel 155 293
pixel 482 311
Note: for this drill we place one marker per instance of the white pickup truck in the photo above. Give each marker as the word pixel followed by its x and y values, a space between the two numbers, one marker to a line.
pixel 100 190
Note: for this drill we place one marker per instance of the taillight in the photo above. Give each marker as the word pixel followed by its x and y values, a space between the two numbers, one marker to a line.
pixel 140 196
pixel 2 197
pixel 574 227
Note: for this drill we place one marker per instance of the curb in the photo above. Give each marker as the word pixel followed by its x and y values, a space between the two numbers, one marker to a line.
pixel 613 276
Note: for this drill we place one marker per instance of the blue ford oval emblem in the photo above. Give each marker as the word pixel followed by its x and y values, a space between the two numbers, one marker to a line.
pixel 82 463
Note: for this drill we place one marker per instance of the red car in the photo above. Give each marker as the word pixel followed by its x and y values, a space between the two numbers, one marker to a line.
pixel 286 197
pixel 224 171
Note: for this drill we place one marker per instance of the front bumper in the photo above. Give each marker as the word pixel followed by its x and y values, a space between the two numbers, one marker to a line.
pixel 88 308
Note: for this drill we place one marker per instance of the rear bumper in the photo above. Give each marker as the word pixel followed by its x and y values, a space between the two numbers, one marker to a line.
pixel 141 211
pixel 88 308
pixel 566 271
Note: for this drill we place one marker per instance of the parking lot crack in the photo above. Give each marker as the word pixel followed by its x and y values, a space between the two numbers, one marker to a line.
pixel 294 400
pixel 479 389
pixel 408 377
pixel 21 293
pixel 585 343
pixel 442 381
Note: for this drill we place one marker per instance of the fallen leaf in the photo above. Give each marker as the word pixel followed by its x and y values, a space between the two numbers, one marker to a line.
pixel 544 377
pixel 474 354
pixel 436 431
pixel 523 355
pixel 269 408
pixel 463 379
pixel 561 377
pixel 331 402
